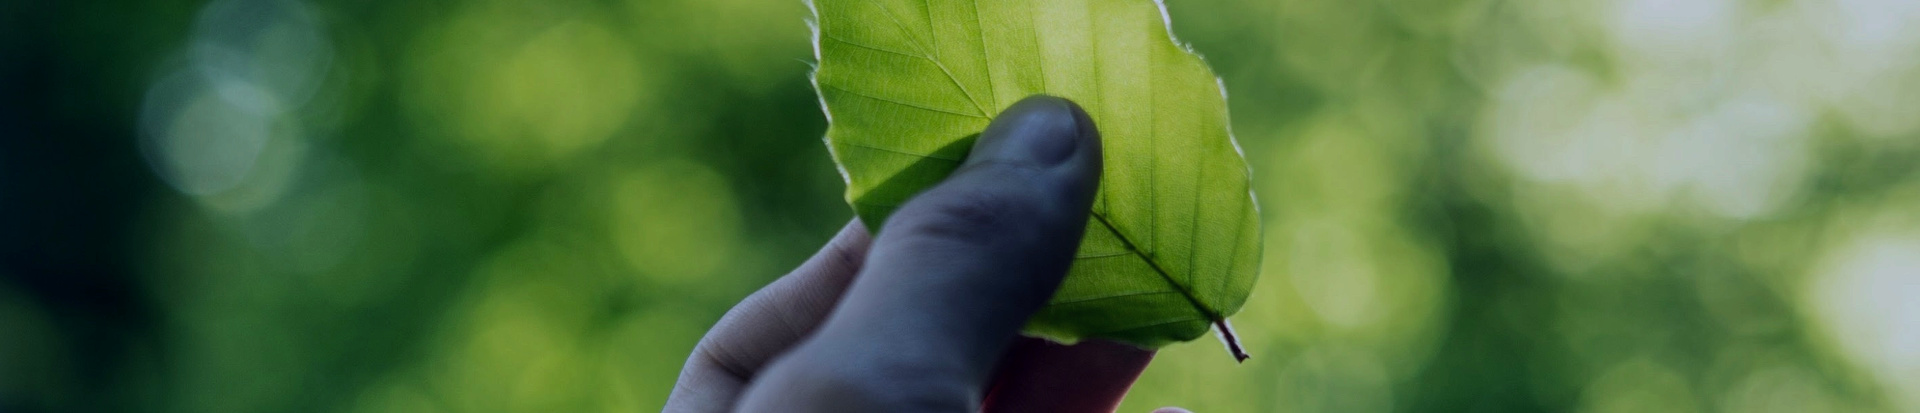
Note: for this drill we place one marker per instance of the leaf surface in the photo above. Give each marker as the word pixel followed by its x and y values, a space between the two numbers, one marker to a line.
pixel 1173 245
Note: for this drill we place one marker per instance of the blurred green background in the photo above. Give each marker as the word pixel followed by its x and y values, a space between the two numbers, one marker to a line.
pixel 532 206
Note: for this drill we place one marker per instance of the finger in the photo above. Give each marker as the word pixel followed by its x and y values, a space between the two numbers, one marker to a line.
pixel 1043 376
pixel 767 323
pixel 1171 410
pixel 953 274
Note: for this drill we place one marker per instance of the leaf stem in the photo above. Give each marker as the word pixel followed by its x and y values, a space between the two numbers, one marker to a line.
pixel 1233 343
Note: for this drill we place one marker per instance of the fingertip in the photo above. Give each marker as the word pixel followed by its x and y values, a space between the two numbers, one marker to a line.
pixel 1171 410
pixel 1039 130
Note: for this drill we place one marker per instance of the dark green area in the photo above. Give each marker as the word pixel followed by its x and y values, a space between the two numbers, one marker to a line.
pixel 1471 205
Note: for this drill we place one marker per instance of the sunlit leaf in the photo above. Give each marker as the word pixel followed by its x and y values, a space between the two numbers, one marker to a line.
pixel 1173 245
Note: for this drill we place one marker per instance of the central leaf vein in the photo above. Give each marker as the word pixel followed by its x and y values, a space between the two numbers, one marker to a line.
pixel 1182 289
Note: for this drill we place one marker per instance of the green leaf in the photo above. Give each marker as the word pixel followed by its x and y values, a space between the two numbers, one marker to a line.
pixel 1174 242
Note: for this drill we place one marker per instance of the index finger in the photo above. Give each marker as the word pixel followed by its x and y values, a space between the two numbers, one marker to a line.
pixel 766 324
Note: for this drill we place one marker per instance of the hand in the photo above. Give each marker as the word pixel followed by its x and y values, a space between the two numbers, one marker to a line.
pixel 926 317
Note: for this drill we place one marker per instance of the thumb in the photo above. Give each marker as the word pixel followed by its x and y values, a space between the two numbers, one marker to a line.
pixel 953 275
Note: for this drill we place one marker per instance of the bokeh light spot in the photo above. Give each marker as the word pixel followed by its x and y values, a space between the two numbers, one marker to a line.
pixel 1639 386
pixel 518 95
pixel 1333 380
pixel 675 220
pixel 1864 295
pixel 274 44
pixel 203 136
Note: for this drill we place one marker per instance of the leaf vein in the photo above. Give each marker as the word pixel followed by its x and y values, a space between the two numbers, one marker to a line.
pixel 1193 226
pixel 902 152
pixel 1039 52
pixel 1153 162
pixel 1233 254
pixel 1183 290
pixel 1143 327
pixel 933 52
pixel 874 48
pixel 1111 297
pixel 898 102
pixel 963 88
pixel 980 32
pixel 1093 25
pixel 903 27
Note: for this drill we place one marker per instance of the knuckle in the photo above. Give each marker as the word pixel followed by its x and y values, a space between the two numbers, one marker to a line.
pixel 727 359
pixel 720 348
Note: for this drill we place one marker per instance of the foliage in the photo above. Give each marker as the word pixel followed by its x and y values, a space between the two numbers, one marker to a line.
pixel 1173 245
pixel 493 205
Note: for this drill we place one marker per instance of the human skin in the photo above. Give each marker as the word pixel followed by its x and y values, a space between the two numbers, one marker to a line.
pixel 926 316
